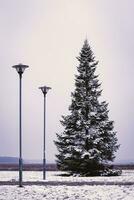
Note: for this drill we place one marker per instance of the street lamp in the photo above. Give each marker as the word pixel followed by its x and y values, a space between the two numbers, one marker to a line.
pixel 44 89
pixel 20 69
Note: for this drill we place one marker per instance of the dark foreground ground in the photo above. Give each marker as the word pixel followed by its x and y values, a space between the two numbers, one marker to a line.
pixel 28 167
pixel 50 167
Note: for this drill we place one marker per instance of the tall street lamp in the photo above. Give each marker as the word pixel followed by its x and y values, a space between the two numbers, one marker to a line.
pixel 20 69
pixel 44 89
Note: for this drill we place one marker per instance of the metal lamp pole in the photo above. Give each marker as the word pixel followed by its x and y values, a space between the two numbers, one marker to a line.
pixel 44 89
pixel 20 69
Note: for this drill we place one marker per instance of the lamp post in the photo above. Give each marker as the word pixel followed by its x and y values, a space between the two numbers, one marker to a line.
pixel 20 69
pixel 44 89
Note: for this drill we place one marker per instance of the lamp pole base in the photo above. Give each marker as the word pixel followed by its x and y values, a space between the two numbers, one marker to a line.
pixel 20 172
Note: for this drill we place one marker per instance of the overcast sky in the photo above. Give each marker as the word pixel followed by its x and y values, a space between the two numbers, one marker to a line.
pixel 47 35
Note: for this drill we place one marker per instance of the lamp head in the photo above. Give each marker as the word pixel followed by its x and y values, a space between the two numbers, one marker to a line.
pixel 20 68
pixel 45 89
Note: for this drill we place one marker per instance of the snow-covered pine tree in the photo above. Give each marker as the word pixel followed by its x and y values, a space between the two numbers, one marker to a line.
pixel 88 141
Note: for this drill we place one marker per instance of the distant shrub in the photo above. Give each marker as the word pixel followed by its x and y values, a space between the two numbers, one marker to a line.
pixel 111 172
pixel 103 170
pixel 98 170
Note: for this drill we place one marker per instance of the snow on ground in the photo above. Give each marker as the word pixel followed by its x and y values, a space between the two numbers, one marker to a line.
pixel 127 176
pixel 67 192
pixel 63 191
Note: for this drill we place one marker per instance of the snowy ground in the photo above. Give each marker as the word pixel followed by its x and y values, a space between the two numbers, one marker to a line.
pixel 69 188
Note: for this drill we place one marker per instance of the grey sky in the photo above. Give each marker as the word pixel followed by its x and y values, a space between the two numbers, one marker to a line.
pixel 47 35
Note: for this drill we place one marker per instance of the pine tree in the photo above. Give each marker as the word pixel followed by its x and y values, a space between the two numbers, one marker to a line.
pixel 88 141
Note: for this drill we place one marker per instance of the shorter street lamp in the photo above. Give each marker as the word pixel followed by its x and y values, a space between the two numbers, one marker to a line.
pixel 44 89
pixel 20 69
